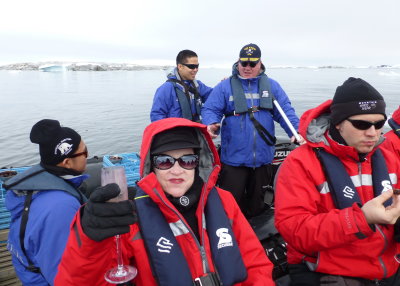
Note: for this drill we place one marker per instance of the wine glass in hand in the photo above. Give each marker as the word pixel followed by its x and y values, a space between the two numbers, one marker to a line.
pixel 121 273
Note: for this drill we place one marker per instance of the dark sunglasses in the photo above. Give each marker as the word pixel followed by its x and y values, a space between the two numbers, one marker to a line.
pixel 85 153
pixel 191 66
pixel 252 64
pixel 365 125
pixel 165 162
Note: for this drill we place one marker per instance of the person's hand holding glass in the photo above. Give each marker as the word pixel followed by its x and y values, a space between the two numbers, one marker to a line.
pixel 109 213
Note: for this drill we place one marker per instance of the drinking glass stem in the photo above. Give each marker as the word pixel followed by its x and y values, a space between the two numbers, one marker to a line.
pixel 119 253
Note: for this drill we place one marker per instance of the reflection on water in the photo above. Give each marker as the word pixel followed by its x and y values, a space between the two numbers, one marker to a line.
pixel 111 109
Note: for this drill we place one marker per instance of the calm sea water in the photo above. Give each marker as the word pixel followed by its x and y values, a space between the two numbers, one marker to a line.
pixel 111 109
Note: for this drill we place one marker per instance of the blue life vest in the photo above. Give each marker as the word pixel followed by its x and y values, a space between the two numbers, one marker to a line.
pixel 341 187
pixel 38 179
pixel 239 98
pixel 33 180
pixel 396 127
pixel 185 100
pixel 266 103
pixel 166 256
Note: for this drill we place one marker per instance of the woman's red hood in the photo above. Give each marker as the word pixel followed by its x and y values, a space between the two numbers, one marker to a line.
pixel 208 153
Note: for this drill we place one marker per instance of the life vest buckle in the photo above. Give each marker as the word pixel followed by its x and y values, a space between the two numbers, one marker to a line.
pixel 254 109
pixel 209 279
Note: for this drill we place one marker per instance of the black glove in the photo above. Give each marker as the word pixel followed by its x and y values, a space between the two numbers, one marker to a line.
pixel 102 219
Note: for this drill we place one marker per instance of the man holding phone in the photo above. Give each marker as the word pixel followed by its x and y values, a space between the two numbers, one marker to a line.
pixel 335 204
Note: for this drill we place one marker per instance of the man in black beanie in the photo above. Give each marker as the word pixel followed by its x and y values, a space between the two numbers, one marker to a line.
pixel 43 201
pixel 59 146
pixel 335 204
pixel 356 96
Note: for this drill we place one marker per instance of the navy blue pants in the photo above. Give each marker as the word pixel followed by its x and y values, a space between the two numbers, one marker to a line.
pixel 248 186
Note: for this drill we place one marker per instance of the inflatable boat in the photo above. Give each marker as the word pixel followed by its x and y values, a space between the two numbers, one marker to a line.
pixel 263 224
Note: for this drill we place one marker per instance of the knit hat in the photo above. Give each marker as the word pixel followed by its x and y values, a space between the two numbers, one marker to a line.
pixel 55 142
pixel 250 52
pixel 355 96
pixel 174 139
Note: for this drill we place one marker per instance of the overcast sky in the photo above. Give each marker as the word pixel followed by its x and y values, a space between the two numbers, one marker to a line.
pixel 289 32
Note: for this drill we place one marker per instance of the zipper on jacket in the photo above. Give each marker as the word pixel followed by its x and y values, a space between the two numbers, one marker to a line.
pixel 202 234
pixel 378 228
pixel 200 247
pixel 359 170
pixel 383 251
pixel 254 129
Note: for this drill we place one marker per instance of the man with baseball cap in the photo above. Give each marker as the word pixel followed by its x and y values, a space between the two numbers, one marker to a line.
pixel 245 103
pixel 335 205
pixel 43 200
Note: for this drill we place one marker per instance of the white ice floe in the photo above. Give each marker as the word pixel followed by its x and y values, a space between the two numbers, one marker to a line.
pixel 389 73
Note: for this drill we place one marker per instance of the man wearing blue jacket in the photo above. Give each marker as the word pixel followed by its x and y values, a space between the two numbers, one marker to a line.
pixel 43 200
pixel 181 95
pixel 245 101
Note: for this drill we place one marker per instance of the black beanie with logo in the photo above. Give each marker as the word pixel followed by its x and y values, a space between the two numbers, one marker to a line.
pixel 356 96
pixel 55 142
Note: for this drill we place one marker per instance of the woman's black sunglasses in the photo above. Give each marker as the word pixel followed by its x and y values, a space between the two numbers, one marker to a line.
pixel 191 66
pixel 252 64
pixel 165 162
pixel 364 125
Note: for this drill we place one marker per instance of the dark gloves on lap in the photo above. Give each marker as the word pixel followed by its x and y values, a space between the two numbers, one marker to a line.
pixel 102 219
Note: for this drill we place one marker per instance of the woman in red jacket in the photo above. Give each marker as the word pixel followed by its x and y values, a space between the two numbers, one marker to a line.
pixel 182 230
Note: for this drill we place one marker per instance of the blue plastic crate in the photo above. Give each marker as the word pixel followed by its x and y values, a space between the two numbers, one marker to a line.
pixel 18 170
pixel 4 213
pixel 131 163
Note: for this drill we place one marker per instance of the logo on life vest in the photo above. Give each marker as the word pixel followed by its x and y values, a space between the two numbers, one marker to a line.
pixel 348 192
pixel 265 93
pixel 386 185
pixel 164 245
pixel 225 239
pixel 63 147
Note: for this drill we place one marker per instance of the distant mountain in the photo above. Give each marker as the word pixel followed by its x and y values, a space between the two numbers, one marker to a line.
pixel 101 66
pixel 93 66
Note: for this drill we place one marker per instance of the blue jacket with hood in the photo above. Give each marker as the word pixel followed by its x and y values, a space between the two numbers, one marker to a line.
pixel 241 145
pixel 165 102
pixel 47 229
